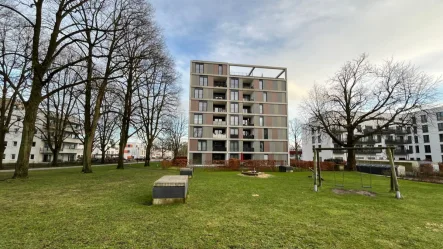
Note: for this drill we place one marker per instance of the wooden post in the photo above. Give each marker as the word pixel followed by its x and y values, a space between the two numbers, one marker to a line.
pixel 393 174
pixel 315 171
pixel 319 168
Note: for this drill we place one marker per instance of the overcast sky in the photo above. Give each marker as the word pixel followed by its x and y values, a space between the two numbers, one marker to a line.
pixel 311 38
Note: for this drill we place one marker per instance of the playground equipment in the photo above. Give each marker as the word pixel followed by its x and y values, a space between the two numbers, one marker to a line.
pixel 389 152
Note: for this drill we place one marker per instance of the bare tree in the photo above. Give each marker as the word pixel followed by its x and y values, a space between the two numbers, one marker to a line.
pixel 295 133
pixel 176 130
pixel 386 94
pixel 107 126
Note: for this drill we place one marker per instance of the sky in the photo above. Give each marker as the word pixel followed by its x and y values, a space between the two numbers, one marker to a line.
pixel 311 38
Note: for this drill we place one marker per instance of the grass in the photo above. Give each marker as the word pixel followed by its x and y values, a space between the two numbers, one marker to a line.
pixel 111 209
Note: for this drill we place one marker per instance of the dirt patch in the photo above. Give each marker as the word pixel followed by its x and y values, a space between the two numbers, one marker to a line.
pixel 353 191
pixel 260 175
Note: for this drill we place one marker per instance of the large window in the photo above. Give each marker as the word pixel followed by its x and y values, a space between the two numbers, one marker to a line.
pixel 202 106
pixel 265 97
pixel 262 146
pixel 426 138
pixel 234 95
pixel 417 149
pixel 441 148
pixel 439 116
pixel 427 149
pixel 198 93
pixel 203 81
pixel 234 107
pixel 260 84
pixel 234 131
pixel 266 133
pixel 424 118
pixel 234 146
pixel 220 69
pixel 234 120
pixel 201 146
pixel 441 137
pixel 262 122
pixel 425 128
pixel 234 83
pixel 199 68
pixel 198 118
pixel 261 108
pixel 198 131
pixel 440 126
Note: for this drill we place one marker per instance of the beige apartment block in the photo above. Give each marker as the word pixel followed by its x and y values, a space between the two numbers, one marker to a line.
pixel 237 115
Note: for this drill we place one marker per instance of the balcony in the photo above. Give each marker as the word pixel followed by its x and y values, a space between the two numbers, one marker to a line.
pixel 248 86
pixel 368 151
pixel 248 124
pixel 250 136
pixel 247 149
pixel 398 141
pixel 221 136
pixel 219 123
pixel 220 84
pixel 248 99
pixel 219 110
pixel 234 136
pixel 369 141
pixel 402 152
pixel 217 148
pixel 247 111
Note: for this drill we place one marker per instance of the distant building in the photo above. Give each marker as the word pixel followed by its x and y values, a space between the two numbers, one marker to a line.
pixel 132 150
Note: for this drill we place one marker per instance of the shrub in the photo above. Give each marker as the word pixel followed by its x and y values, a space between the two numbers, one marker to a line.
pixel 166 164
pixel 426 169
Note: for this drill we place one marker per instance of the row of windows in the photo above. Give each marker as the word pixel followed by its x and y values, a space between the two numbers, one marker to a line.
pixel 202 145
pixel 424 118
pixel 203 107
pixel 198 94
pixel 13 156
pixel 198 119
pixel 203 81
pixel 15 143
pixel 198 132
pixel 199 68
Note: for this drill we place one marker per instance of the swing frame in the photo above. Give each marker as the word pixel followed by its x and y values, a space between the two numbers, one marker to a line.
pixel 389 151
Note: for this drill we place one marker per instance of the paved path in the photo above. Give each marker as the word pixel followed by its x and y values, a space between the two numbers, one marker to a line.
pixel 68 167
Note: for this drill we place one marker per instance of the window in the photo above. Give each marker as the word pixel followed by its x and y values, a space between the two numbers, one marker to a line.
pixel 202 106
pixel 198 118
pixel 426 138
pixel 234 95
pixel 201 146
pixel 12 156
pixel 265 157
pixel 265 97
pixel 441 137
pixel 428 157
pixel 439 116
pixel 441 148
pixel 424 119
pixel 416 139
pixel 234 83
pixel 220 69
pixel 312 130
pixel 234 107
pixel 260 84
pixel 32 156
pixel 234 120
pixel 198 131
pixel 427 149
pixel 425 128
pixel 203 81
pixel 414 120
pixel 417 149
pixel 440 126
pixel 313 140
pixel 198 93
pixel 234 146
pixel 19 118
pixel 15 143
pixel 199 68
pixel 319 139
pixel 262 146
pixel 415 130
pixel 262 122
pixel 234 131
pixel 266 133
pixel 33 144
pixel 261 108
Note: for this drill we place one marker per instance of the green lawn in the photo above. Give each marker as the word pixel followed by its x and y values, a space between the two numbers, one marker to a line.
pixel 111 209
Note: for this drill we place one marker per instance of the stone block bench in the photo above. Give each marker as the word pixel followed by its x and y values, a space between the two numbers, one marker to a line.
pixel 283 168
pixel 187 172
pixel 170 189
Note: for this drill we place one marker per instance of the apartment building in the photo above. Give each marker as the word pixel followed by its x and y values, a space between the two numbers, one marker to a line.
pixel 421 140
pixel 236 112
pixel 132 150
pixel 40 152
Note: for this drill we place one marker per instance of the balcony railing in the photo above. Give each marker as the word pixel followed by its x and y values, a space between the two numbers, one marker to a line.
pixel 218 135
pixel 220 84
pixel 220 97
pixel 248 136
pixel 219 122
pixel 368 151
pixel 369 141
pixel 248 124
pixel 246 111
pixel 248 99
pixel 402 152
pixel 338 151
pixel 247 149
pixel 219 110
pixel 234 136
pixel 398 141
pixel 248 87
pixel 216 148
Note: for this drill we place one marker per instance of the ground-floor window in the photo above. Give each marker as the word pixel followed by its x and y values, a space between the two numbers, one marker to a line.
pixel 197 158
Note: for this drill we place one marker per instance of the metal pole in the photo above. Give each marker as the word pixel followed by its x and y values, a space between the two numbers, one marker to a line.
pixel 393 174
pixel 319 168
pixel 315 171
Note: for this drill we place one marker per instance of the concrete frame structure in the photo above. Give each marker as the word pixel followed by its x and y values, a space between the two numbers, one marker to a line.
pixel 236 115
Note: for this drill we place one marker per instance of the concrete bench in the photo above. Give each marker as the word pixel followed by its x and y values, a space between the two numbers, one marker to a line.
pixel 170 189
pixel 187 172
pixel 285 168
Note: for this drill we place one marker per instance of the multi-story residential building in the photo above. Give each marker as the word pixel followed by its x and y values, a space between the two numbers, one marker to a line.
pixel 420 140
pixel 237 115
pixel 132 150
pixel 40 152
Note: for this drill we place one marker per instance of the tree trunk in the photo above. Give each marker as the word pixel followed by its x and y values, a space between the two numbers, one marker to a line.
pixel 55 158
pixel 148 155
pixel 351 162
pixel 121 151
pixel 87 151
pixel 102 161
pixel 31 109
pixel 2 148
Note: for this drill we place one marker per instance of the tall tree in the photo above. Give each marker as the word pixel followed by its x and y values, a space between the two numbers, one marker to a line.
pixel 176 130
pixel 295 133
pixel 107 126
pixel 386 94
pixel 49 22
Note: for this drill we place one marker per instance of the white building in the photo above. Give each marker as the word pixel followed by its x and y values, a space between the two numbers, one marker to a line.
pixel 40 152
pixel 132 150
pixel 422 140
